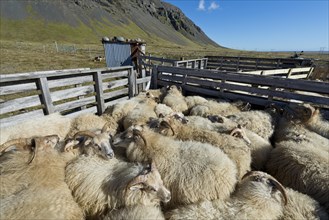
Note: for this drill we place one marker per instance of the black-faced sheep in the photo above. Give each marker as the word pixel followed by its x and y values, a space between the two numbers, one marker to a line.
pixel 257 196
pixel 32 181
pixel 205 172
pixel 236 149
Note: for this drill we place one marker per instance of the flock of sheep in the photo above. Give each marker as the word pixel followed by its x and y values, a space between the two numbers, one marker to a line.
pixel 162 155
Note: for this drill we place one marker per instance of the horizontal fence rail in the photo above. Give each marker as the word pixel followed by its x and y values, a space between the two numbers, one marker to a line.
pixel 229 63
pixel 71 92
pixel 256 89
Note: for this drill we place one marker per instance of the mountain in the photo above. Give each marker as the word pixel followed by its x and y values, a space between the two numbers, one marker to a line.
pixel 87 21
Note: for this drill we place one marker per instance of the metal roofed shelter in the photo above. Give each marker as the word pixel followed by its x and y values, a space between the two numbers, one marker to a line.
pixel 121 52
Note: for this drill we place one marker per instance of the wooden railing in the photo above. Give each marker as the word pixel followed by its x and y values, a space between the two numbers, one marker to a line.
pixel 250 64
pixel 256 89
pixel 150 61
pixel 293 73
pixel 72 92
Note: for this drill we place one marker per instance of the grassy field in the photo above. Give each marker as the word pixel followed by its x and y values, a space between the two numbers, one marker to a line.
pixel 17 56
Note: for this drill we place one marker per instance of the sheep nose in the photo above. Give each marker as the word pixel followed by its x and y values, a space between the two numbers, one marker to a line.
pixel 167 198
pixel 110 155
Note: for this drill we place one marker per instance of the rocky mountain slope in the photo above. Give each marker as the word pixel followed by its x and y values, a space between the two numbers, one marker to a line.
pixel 87 21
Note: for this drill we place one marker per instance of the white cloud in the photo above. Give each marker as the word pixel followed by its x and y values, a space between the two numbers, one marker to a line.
pixel 202 6
pixel 213 6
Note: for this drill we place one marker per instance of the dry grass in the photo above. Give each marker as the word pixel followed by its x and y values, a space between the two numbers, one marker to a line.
pixel 19 57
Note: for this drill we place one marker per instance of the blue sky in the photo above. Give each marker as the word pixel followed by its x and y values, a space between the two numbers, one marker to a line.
pixel 262 25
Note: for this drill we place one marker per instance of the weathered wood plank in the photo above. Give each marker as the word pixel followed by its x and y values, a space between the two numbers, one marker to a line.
pixel 74 80
pixel 143 80
pixel 110 75
pixel 158 59
pixel 113 94
pixel 74 104
pixel 71 93
pixel 132 83
pixel 12 120
pixel 19 103
pixel 115 84
pixel 304 69
pixel 27 87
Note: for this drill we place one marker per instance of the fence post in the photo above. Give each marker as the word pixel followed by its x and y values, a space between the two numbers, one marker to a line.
pixel 205 63
pixel 154 77
pixel 289 73
pixel 45 97
pixel 97 77
pixel 56 46
pixel 132 82
pixel 309 72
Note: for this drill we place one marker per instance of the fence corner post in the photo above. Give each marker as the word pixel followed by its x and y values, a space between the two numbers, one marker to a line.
pixel 154 77
pixel 99 92
pixel 45 97
pixel 132 82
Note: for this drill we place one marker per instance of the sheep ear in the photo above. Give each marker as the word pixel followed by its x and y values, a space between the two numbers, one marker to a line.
pixel 87 142
pixel 137 182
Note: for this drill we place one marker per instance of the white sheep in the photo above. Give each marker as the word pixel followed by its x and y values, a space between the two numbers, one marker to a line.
pixel 100 185
pixel 303 167
pixel 190 170
pixel 257 196
pixel 236 149
pixel 142 209
pixel 260 122
pixel 213 107
pixel 175 99
pixel 260 148
pixel 301 206
pixel 32 181
pixel 310 117
pixel 141 114
pixel 41 126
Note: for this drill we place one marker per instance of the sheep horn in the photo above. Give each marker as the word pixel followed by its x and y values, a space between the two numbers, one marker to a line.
pixel 167 125
pixel 33 149
pixel 139 133
pixel 23 142
pixel 238 131
pixel 84 133
pixel 106 125
pixel 280 188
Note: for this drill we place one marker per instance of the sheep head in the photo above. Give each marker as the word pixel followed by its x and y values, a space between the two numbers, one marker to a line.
pixel 301 113
pixel 132 134
pixel 30 144
pixel 239 132
pixel 260 184
pixel 150 181
pixel 215 118
pixel 100 143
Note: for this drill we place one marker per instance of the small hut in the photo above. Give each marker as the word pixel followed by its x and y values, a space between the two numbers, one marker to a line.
pixel 122 52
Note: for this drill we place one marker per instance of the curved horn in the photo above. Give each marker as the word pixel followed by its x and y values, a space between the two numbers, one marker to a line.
pixel 280 188
pixel 106 125
pixel 139 133
pixel 20 141
pixel 33 149
pixel 167 125
pixel 84 133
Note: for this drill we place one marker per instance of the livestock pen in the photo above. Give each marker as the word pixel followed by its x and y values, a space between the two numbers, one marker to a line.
pixel 72 92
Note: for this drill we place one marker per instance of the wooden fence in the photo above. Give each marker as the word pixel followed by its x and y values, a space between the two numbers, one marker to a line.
pixel 250 64
pixel 256 89
pixel 292 73
pixel 150 61
pixel 72 92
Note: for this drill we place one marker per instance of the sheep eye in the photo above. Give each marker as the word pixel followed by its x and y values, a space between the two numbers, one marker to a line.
pixel 257 179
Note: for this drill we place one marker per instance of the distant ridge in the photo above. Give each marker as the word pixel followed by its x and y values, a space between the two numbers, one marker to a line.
pixel 87 21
